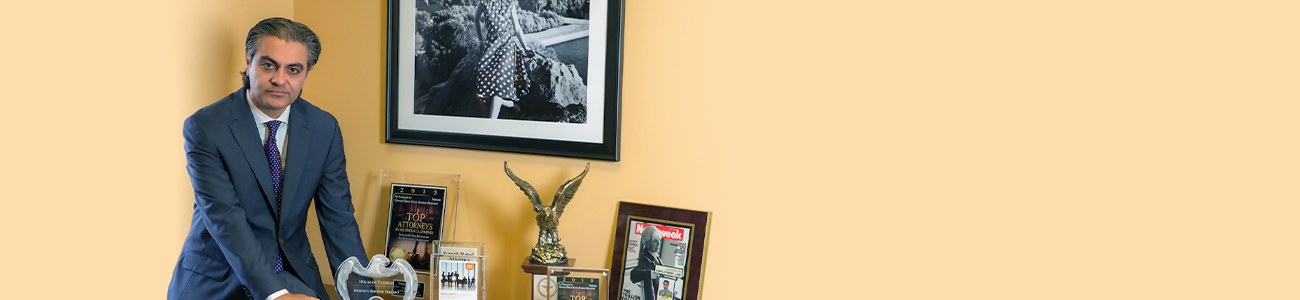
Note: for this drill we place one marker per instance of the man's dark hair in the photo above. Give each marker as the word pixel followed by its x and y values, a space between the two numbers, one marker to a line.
pixel 286 30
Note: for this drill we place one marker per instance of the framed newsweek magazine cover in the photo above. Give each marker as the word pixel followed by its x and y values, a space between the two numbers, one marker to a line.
pixel 526 76
pixel 659 253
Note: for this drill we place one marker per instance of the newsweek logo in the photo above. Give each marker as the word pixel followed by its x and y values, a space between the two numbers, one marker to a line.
pixel 676 234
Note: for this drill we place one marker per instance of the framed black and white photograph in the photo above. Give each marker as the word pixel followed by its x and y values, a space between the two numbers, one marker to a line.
pixel 526 76
pixel 659 252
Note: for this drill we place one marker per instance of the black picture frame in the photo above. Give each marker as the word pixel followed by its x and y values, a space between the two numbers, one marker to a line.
pixel 695 225
pixel 601 133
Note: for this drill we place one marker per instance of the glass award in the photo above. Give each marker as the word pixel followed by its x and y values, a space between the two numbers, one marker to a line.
pixel 415 212
pixel 459 277
pixel 377 281
pixel 565 283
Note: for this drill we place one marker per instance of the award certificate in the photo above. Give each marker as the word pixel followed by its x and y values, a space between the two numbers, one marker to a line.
pixel 414 222
pixel 577 288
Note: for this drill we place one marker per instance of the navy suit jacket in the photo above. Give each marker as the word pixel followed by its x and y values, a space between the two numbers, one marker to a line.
pixel 237 231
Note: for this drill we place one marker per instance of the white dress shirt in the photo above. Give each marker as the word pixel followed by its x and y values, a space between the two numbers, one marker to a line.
pixel 281 134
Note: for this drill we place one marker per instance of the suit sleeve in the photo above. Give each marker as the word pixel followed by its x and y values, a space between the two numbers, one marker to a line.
pixel 334 209
pixel 215 201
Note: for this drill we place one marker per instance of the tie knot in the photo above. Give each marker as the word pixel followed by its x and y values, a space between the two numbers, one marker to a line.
pixel 272 126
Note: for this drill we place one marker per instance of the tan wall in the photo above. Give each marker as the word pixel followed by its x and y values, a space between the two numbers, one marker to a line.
pixel 891 150
pixel 93 165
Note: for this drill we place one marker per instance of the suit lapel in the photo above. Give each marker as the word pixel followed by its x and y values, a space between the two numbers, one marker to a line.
pixel 250 144
pixel 299 140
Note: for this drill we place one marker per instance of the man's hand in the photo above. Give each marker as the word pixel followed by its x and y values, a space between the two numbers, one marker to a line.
pixel 295 297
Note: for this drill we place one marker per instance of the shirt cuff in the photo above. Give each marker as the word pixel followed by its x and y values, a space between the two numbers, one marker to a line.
pixel 277 294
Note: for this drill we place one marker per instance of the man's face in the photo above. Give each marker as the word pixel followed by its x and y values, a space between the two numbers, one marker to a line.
pixel 276 74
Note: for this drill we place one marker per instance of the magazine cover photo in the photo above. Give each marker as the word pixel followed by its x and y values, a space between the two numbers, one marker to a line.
pixel 655 265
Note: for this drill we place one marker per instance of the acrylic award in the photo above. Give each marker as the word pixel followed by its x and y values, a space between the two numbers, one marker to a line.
pixel 380 280
pixel 415 212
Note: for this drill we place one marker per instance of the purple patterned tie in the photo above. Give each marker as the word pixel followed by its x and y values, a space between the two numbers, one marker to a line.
pixel 273 159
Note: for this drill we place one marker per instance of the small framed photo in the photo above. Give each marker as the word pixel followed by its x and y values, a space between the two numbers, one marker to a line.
pixel 659 253
pixel 459 277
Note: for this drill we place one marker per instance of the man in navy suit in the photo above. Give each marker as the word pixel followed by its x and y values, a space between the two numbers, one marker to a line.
pixel 257 159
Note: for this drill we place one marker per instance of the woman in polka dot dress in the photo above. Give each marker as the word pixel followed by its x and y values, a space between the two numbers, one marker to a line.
pixel 501 67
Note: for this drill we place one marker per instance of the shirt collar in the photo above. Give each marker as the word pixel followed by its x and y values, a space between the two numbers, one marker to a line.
pixel 262 118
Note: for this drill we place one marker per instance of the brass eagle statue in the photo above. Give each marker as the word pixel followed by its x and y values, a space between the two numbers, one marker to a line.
pixel 548 250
